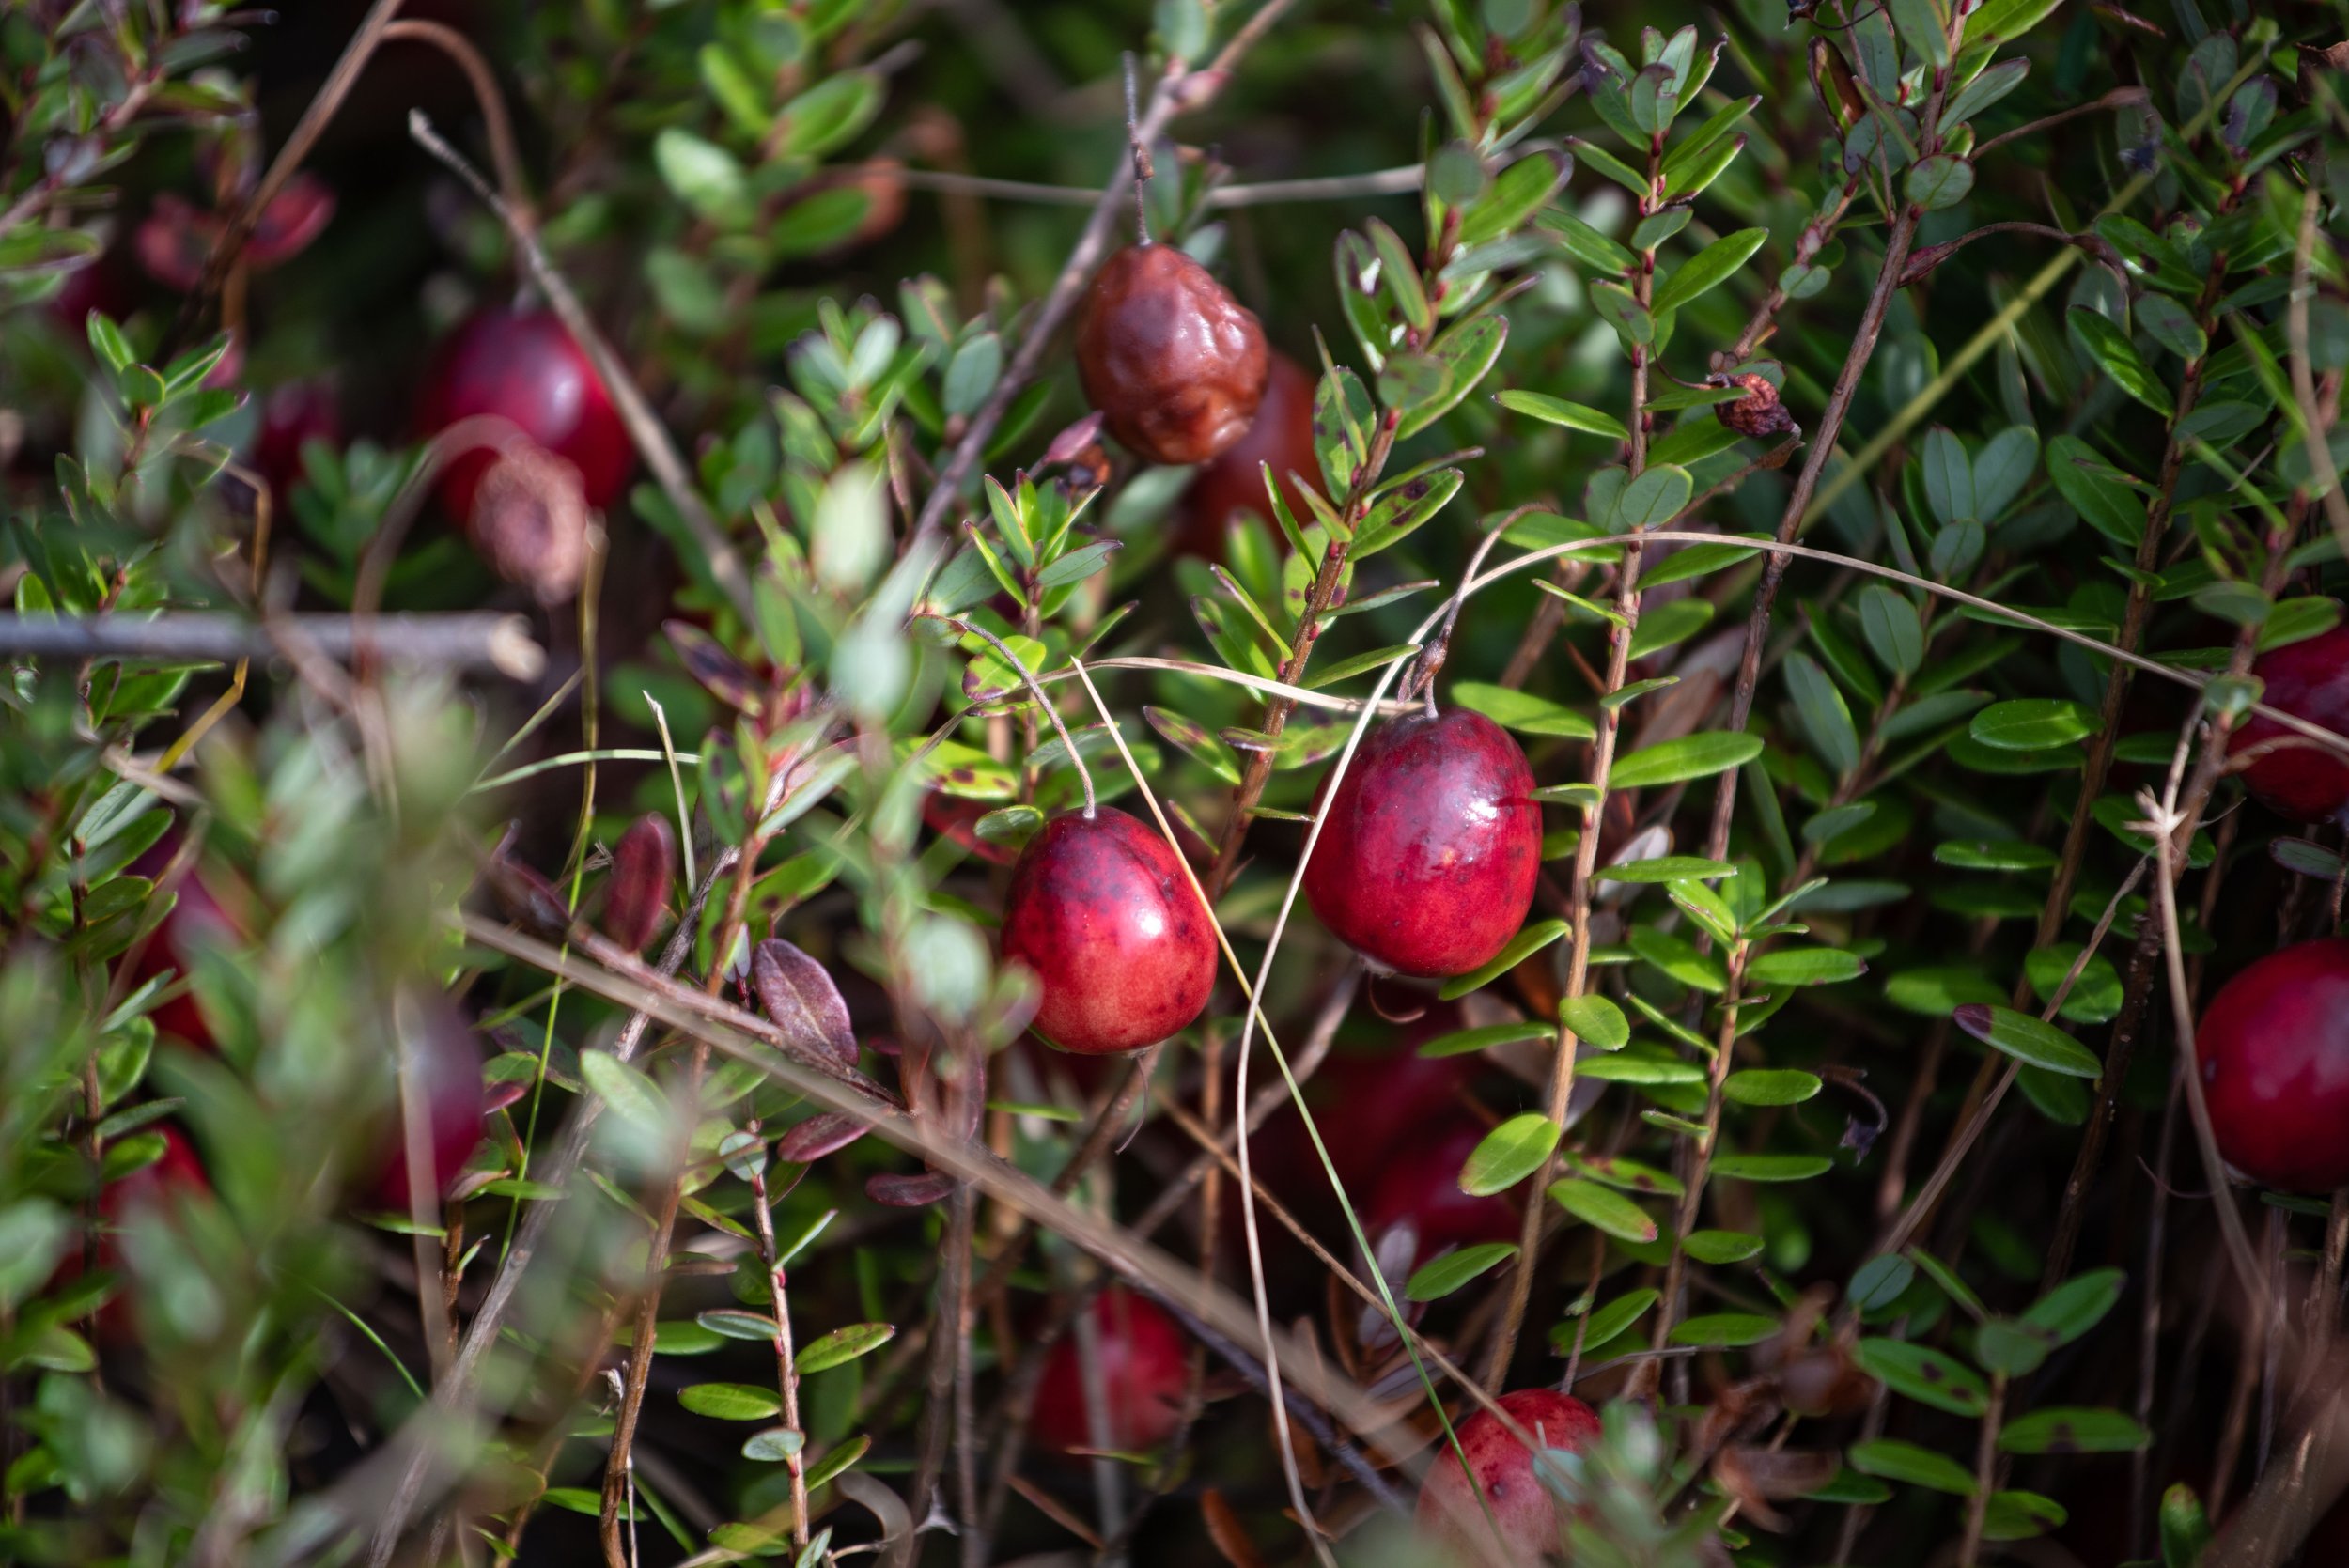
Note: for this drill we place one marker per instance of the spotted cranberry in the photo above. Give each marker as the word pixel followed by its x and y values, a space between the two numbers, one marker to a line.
pixel 1281 436
pixel 1142 1355
pixel 1100 910
pixel 2274 1049
pixel 526 369
pixel 1430 846
pixel 1526 1511
pixel 2308 679
pixel 1175 363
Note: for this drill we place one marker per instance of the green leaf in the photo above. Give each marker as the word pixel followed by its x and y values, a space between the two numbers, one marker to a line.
pixel 1595 1020
pixel 2033 723
pixel 1938 181
pixel 2073 1431
pixel 1880 1281
pixel 2104 504
pixel 2110 348
pixel 1509 1154
pixel 1771 1168
pixel 1889 623
pixel 1939 991
pixel 1522 946
pixel 1433 1282
pixel 2297 620
pixel 1468 352
pixel 1708 269
pixel 843 1345
pixel 2003 20
pixel 1403 509
pixel 2027 1039
pixel 1654 498
pixel 730 1401
pixel 2077 1305
pixel 1522 712
pixel 1679 959
pixel 1923 28
pixel 1770 1086
pixel 1692 757
pixel 1667 868
pixel 1602 1209
pixel 1604 1323
pixel 1627 1174
pixel 1826 719
pixel 702 174
pixel 2020 1515
pixel 2185 1532
pixel 1194 741
pixel 1893 1460
pixel 1721 1247
pixel 1925 1375
pixel 629 1093
pixel 2010 1348
pixel 1466 1042
pixel 774 1446
pixel 1805 966
pixel 1663 627
pixel 1557 410
pixel 1725 1329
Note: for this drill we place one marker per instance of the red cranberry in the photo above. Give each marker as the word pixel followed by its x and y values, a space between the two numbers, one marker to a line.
pixel 448 1070
pixel 1100 910
pixel 1175 363
pixel 292 416
pixel 2274 1049
pixel 151 1188
pixel 1280 435
pixel 527 369
pixel 1430 847
pixel 1524 1508
pixel 2309 680
pixel 196 920
pixel 1143 1376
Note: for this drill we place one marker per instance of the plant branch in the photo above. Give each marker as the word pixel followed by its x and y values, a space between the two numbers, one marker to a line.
pixel 467 640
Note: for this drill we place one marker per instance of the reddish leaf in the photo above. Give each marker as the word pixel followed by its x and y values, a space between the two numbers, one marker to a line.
pixel 910 1192
pixel 801 1000
pixel 295 217
pixel 816 1137
pixel 637 896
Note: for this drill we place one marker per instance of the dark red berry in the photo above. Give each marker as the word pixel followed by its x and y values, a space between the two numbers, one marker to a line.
pixel 196 920
pixel 528 370
pixel 293 415
pixel 2274 1049
pixel 1175 363
pixel 1143 1375
pixel 636 897
pixel 1419 1186
pixel 1100 910
pixel 1430 847
pixel 448 1079
pixel 2308 679
pixel 1281 435
pixel 1526 1511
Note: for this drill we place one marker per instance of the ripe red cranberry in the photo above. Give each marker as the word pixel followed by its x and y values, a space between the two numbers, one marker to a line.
pixel 527 369
pixel 152 1188
pixel 447 1065
pixel 292 416
pixel 1430 847
pixel 196 920
pixel 1522 1506
pixel 2309 681
pixel 1100 910
pixel 1281 435
pixel 1419 1186
pixel 2274 1049
pixel 1143 1375
pixel 1175 363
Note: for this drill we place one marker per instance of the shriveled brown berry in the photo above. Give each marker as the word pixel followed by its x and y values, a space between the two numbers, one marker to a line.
pixel 1759 413
pixel 1175 363
pixel 637 896
pixel 529 521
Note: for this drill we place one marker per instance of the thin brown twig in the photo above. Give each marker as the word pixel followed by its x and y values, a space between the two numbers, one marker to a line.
pixel 468 639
